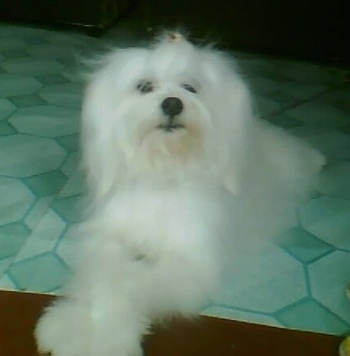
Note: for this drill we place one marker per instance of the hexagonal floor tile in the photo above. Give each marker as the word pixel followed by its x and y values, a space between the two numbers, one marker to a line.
pixel 311 73
pixel 51 79
pixel 345 129
pixel 53 50
pixel 46 120
pixel 7 284
pixel 22 155
pixel 73 74
pixel 310 315
pixel 12 238
pixel 283 120
pixel 44 237
pixel 68 95
pixel 66 247
pixel 6 108
pixel 10 44
pixel 262 85
pixel 338 98
pixel 303 245
pixel 259 66
pixel 31 66
pixel 335 180
pixel 17 53
pixel 26 100
pixel 6 129
pixel 328 219
pixel 265 105
pixel 329 278
pixel 302 91
pixel 319 114
pixel 46 184
pixel 69 208
pixel 285 100
pixel 4 264
pixel 71 164
pixel 263 282
pixel 332 143
pixel 24 32
pixel 69 142
pixel 37 211
pixel 11 84
pixel 43 273
pixel 15 200
pixel 61 38
pixel 75 185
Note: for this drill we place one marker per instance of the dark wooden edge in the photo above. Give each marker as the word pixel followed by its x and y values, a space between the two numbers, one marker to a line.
pixel 202 336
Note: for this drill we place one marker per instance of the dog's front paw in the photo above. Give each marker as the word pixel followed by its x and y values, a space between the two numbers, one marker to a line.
pixel 64 330
pixel 67 329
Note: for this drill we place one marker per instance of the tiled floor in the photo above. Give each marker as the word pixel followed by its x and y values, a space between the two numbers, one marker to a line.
pixel 299 283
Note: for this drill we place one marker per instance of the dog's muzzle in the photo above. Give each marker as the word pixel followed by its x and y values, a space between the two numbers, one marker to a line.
pixel 172 107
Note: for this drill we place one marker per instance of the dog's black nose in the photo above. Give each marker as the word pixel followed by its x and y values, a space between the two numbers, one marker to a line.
pixel 172 106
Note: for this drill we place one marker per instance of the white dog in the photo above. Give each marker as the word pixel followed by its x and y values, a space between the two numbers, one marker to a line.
pixel 181 173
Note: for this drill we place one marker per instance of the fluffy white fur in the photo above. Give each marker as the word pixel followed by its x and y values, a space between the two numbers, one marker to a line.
pixel 169 205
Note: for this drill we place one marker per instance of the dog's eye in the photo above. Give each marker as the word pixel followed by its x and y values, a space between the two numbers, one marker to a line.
pixel 189 88
pixel 145 86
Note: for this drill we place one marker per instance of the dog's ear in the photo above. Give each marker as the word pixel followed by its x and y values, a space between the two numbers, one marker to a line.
pixel 234 118
pixel 102 159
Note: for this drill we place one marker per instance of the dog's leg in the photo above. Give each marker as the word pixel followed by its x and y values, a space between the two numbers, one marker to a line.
pixel 101 313
pixel 64 329
pixel 119 325
pixel 71 329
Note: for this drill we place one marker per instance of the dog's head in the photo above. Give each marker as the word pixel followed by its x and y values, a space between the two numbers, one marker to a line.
pixel 163 110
